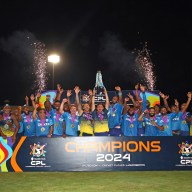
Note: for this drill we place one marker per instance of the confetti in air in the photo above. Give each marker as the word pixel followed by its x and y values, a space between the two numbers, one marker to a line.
pixel 146 66
pixel 39 66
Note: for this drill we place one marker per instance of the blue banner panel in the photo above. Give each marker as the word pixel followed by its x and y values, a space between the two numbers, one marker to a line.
pixel 102 154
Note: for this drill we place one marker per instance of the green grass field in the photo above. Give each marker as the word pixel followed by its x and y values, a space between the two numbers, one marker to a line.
pixel 131 181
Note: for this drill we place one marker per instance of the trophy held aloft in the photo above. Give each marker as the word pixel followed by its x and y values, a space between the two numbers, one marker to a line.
pixel 99 88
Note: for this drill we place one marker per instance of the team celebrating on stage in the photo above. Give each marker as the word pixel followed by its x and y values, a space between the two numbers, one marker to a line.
pixel 111 118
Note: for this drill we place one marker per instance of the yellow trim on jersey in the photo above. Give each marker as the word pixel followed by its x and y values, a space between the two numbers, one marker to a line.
pixel 101 126
pixel 86 127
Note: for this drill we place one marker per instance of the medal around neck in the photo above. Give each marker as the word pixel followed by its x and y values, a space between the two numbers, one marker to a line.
pixel 42 129
pixel 6 129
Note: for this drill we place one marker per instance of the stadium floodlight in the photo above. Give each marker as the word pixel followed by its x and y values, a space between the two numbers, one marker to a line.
pixel 54 59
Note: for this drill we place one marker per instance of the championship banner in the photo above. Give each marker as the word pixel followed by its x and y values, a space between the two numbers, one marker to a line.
pixel 99 154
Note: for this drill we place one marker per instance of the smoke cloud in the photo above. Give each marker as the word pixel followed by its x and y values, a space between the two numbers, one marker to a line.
pixel 120 60
pixel 20 46
pixel 29 58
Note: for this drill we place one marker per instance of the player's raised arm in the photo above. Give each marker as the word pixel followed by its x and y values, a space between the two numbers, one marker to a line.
pixel 62 106
pixel 32 97
pixel 137 92
pixel 165 98
pixel 35 111
pixel 125 106
pixel 69 93
pixel 26 100
pixel 59 92
pixel 186 105
pixel 38 97
pixel 107 103
pixel 90 92
pixel 77 91
pixel 144 98
pixel 93 101
pixel 118 89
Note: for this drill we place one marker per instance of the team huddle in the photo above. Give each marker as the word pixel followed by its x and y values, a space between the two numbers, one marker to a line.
pixel 112 118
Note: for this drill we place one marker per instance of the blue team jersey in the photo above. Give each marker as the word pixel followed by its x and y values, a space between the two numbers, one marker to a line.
pixel 176 122
pixel 72 123
pixel 115 115
pixel 50 113
pixel 167 123
pixel 28 125
pixel 43 127
pixel 184 125
pixel 141 124
pixel 20 127
pixel 144 101
pixel 150 129
pixel 130 124
pixel 58 123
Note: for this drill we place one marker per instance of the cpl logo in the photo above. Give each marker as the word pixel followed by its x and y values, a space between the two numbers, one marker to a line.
pixel 185 148
pixel 85 98
pixel 186 152
pixel 100 97
pixel 36 162
pixel 37 150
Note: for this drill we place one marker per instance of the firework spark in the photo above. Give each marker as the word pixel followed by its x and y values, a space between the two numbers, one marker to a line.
pixel 146 66
pixel 39 65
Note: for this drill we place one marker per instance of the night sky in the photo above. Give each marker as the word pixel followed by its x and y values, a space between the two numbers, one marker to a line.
pixel 96 35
